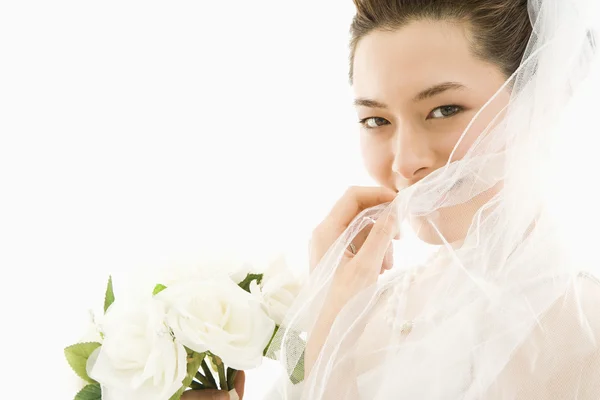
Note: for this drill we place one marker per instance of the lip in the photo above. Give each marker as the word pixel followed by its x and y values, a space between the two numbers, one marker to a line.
pixel 444 198
pixel 457 184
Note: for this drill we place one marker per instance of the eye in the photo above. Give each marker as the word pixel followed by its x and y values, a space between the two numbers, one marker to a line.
pixel 444 112
pixel 373 122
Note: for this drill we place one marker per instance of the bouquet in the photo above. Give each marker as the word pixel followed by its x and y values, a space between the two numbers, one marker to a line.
pixel 194 331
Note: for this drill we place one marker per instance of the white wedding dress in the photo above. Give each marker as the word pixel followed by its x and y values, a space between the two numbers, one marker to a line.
pixel 513 310
pixel 455 374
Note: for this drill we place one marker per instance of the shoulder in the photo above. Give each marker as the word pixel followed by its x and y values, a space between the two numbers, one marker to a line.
pixel 577 309
pixel 572 323
pixel 562 351
pixel 590 283
pixel 569 327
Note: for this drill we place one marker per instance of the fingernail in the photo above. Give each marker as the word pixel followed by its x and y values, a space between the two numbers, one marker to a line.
pixel 398 234
pixel 388 259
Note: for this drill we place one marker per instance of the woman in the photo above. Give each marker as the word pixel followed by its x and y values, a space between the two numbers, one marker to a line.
pixel 463 106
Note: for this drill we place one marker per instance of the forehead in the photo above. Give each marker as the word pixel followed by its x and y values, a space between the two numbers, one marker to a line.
pixel 418 55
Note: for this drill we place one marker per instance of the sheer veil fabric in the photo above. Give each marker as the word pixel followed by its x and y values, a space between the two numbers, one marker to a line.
pixel 511 310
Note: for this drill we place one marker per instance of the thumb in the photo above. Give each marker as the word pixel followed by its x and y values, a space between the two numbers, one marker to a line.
pixel 388 259
pixel 205 394
pixel 239 382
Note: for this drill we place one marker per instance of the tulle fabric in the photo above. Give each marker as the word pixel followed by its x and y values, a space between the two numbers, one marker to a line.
pixel 511 308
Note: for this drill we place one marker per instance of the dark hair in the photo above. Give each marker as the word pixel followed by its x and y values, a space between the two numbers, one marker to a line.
pixel 499 29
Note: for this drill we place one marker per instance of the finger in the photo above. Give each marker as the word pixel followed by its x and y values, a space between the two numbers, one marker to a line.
pixel 239 383
pixel 361 236
pixel 388 259
pixel 399 233
pixel 380 237
pixel 205 394
pixel 357 199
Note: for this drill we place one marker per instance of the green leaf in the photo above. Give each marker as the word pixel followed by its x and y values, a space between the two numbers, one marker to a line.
pixel 193 365
pixel 190 353
pixel 298 372
pixel 90 392
pixel 245 284
pixel 294 340
pixel 77 356
pixel 109 297
pixel 158 288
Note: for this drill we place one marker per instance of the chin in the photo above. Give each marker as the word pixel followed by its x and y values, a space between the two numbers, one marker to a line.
pixel 439 229
pixel 451 224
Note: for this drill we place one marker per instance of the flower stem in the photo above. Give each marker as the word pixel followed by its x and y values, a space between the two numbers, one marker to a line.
pixel 231 373
pixel 209 376
pixel 203 379
pixel 221 369
pixel 197 385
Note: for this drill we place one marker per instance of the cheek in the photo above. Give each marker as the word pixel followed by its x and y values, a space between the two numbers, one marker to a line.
pixel 452 222
pixel 464 145
pixel 486 121
pixel 378 159
pixel 467 141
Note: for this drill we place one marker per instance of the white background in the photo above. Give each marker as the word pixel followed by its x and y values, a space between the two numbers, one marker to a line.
pixel 134 136
pixel 137 135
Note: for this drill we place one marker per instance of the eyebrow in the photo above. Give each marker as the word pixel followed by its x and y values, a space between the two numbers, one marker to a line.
pixel 437 89
pixel 369 103
pixel 424 94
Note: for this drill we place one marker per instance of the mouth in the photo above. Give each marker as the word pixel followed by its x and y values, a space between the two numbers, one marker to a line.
pixel 399 188
pixel 455 186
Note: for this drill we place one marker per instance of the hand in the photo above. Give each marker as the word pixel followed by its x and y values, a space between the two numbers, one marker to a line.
pixel 356 271
pixel 355 200
pixel 213 394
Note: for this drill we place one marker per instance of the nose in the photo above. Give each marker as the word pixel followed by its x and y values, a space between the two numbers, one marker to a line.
pixel 414 157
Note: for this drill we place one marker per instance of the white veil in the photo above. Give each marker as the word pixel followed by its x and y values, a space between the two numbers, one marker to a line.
pixel 512 309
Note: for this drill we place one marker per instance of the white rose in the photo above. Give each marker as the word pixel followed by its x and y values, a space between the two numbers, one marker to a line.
pixel 139 358
pixel 92 331
pixel 91 334
pixel 278 290
pixel 217 315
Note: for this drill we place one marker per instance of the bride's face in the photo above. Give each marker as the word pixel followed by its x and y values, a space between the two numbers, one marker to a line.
pixel 416 90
